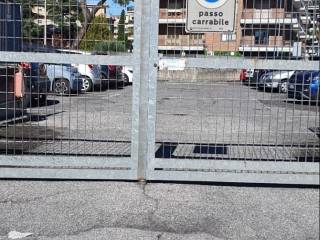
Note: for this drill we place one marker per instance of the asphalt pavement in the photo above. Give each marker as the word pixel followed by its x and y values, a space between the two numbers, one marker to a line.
pixel 220 113
pixel 187 114
pixel 120 210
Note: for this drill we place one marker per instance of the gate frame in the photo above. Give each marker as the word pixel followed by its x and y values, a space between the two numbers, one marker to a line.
pixel 143 165
pixel 218 170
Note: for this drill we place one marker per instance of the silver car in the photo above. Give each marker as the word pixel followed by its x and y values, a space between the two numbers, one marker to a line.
pixel 275 80
pixel 64 78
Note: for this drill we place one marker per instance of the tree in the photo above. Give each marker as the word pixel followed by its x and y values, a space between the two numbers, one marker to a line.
pixel 64 13
pixel 121 27
pixel 97 32
pixel 106 47
pixel 29 28
pixel 89 16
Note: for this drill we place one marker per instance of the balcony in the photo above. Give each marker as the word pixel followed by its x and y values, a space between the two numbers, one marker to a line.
pixel 270 44
pixel 172 15
pixel 267 16
pixel 181 42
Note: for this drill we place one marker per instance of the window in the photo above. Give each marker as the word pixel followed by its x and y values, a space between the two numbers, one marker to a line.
pixel 261 37
pixel 226 37
pixel 175 4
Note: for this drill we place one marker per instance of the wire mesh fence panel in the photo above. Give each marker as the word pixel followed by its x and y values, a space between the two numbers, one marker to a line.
pixel 240 106
pixel 230 106
pixel 66 88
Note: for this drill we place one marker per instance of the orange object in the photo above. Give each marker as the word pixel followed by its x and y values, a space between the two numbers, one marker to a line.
pixel 19 84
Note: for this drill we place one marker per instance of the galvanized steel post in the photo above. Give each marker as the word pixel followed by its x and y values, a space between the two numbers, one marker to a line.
pixel 144 84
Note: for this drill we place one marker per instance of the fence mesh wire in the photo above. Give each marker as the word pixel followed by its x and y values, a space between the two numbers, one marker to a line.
pixel 240 114
pixel 62 107
pixel 50 108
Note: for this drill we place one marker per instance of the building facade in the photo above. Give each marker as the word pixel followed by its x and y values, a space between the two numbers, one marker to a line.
pixel 309 26
pixel 267 29
pixel 173 38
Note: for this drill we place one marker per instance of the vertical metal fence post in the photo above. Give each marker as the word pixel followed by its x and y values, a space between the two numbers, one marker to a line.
pixel 144 83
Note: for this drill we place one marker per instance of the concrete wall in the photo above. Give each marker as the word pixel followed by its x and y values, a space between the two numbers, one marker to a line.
pixel 199 75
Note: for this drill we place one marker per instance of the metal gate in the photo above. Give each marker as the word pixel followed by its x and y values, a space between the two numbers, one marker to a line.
pixel 187 116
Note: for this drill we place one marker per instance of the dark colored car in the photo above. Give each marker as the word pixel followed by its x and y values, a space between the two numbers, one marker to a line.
pixel 37 84
pixel 305 85
pixel 113 74
pixel 252 76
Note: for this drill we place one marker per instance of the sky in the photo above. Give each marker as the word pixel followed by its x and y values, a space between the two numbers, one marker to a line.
pixel 114 8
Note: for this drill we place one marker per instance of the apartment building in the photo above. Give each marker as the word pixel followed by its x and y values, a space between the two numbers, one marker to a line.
pixel 227 41
pixel 269 28
pixel 309 26
pixel 266 29
pixel 173 39
pixel 40 13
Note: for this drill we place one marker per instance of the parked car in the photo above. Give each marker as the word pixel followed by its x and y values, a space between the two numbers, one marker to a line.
pixel 252 76
pixel 112 75
pixel 305 85
pixel 11 95
pixel 36 82
pixel 247 75
pixel 275 80
pixel 90 73
pixel 64 79
pixel 127 75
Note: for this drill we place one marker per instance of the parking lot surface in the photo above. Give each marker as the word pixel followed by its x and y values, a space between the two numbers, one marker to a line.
pixel 253 124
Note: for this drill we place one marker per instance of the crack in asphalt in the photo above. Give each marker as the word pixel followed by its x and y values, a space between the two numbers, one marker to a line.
pixel 159 236
pixel 150 221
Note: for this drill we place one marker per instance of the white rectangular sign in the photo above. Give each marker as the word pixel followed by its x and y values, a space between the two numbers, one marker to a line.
pixel 210 16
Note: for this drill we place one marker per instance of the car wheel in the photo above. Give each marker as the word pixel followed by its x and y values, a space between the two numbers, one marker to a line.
pixel 284 87
pixel 87 84
pixel 104 82
pixel 61 86
pixel 125 79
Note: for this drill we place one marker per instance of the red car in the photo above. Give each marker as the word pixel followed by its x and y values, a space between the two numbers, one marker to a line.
pixel 243 75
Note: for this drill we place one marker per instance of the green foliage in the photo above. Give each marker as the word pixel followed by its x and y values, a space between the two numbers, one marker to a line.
pixel 226 53
pixel 31 30
pixel 121 27
pixel 64 13
pixel 97 32
pixel 110 46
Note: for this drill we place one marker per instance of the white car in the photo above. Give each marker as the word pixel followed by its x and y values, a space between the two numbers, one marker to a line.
pixel 275 80
pixel 127 75
pixel 91 75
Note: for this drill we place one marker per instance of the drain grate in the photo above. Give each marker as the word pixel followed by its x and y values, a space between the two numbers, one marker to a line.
pixel 210 149
pixel 166 151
